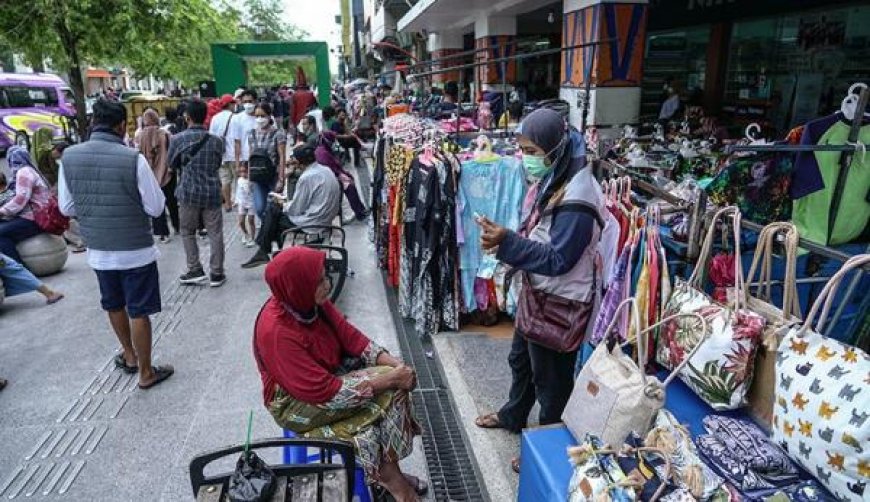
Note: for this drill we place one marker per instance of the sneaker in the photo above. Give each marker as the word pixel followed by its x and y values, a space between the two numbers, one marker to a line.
pixel 245 241
pixel 202 234
pixel 193 277
pixel 249 243
pixel 217 280
pixel 165 239
pixel 257 260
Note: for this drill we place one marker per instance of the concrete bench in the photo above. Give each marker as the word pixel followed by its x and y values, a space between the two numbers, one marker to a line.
pixel 43 254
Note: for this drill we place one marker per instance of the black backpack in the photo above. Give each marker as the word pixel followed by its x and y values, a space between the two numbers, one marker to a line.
pixel 261 168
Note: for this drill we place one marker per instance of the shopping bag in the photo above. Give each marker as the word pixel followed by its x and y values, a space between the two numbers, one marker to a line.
pixel 612 395
pixel 721 372
pixel 779 320
pixel 823 400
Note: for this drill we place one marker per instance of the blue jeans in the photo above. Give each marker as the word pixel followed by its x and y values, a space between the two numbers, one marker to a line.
pixel 17 280
pixel 14 231
pixel 260 191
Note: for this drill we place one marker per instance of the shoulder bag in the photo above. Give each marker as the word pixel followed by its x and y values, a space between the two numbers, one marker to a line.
pixel 779 320
pixel 822 411
pixel 613 396
pixel 720 373
pixel 48 217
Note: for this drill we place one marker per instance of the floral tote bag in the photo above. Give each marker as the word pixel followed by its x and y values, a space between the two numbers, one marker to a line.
pixel 721 371
pixel 822 411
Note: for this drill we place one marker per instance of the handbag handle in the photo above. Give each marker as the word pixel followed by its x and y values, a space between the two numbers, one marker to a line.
pixel 828 293
pixel 763 262
pixel 707 248
pixel 635 317
pixel 704 333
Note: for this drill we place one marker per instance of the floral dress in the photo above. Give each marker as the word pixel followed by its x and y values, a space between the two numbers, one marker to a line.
pixel 381 427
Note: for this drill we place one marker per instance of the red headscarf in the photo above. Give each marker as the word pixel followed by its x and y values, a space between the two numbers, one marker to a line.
pixel 299 345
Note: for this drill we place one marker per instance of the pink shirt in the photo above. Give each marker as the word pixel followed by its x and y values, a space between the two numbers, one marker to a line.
pixel 30 191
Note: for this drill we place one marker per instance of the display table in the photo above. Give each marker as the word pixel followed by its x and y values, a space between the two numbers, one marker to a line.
pixel 546 470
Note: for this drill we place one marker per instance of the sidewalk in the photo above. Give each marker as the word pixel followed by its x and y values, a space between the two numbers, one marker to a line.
pixel 75 428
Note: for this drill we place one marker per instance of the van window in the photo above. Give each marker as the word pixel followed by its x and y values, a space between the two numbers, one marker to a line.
pixel 69 97
pixel 22 97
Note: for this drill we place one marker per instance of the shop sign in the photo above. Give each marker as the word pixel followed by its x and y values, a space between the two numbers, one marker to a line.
pixel 666 14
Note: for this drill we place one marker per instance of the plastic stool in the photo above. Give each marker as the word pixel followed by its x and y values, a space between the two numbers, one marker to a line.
pixel 299 455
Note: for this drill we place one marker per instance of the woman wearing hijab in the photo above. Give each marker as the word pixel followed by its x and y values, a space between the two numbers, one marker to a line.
pixel 31 193
pixel 557 249
pixel 154 143
pixel 325 157
pixel 322 378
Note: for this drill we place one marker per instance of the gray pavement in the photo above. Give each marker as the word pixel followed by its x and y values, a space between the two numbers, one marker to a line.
pixel 74 428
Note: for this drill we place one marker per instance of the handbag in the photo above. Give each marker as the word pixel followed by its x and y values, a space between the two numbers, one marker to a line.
pixel 612 395
pixel 779 321
pixel 721 372
pixel 627 474
pixel 48 217
pixel 822 399
pixel 549 320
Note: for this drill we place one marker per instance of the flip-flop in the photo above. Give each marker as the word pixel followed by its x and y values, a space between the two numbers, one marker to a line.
pixel 488 421
pixel 161 373
pixel 120 362
pixel 3 383
pixel 420 487
pixel 52 301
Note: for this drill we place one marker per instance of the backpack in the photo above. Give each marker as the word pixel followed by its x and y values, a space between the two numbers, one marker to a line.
pixel 261 168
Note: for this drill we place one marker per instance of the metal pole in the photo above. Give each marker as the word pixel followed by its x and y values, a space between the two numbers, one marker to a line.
pixel 846 163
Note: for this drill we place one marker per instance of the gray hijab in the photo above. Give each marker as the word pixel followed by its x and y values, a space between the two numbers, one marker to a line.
pixel 546 128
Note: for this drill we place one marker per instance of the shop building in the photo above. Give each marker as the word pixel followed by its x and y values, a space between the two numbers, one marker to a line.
pixel 777 62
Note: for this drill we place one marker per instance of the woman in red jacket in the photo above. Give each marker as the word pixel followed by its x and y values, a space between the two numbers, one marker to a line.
pixel 323 378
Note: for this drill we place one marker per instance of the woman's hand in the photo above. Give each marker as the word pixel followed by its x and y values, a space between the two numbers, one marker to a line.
pixel 404 378
pixel 387 359
pixel 491 234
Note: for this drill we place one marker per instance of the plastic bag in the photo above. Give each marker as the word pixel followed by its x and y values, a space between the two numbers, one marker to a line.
pixel 252 481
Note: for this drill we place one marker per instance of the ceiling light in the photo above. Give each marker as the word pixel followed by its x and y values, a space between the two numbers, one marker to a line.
pixel 551 17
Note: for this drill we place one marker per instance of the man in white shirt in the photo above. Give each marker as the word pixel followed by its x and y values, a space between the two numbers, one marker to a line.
pixel 112 191
pixel 221 125
pixel 245 122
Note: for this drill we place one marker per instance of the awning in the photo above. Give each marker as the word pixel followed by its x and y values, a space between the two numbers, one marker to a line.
pixel 98 73
pixel 437 15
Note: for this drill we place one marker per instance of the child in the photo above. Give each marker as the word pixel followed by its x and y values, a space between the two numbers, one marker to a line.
pixel 247 214
pixel 5 193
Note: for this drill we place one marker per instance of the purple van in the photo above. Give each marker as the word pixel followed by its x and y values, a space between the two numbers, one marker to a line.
pixel 29 101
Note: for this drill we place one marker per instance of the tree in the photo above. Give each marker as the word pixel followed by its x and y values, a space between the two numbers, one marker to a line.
pixel 263 21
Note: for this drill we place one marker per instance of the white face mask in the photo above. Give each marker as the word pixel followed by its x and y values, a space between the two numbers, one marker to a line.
pixel 262 122
pixel 249 107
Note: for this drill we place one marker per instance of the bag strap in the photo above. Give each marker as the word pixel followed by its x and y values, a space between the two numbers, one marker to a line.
pixel 227 127
pixel 704 334
pixel 826 297
pixel 196 148
pixel 630 302
pixel 707 249
pixel 763 262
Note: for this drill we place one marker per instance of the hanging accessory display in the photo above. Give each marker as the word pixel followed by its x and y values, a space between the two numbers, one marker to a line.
pixel 779 320
pixel 823 401
pixel 613 396
pixel 721 372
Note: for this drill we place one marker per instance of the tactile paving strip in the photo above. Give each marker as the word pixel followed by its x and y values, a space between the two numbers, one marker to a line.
pixel 54 463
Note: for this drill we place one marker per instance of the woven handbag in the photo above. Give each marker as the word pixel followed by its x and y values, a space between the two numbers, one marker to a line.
pixel 612 395
pixel 721 372
pixel 822 411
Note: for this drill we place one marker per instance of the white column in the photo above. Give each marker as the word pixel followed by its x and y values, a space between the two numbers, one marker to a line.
pixel 505 28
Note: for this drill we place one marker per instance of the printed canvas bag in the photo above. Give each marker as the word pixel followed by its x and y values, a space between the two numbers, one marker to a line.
pixel 721 372
pixel 822 411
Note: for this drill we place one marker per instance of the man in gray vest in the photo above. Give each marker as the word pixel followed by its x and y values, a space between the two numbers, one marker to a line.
pixel 112 191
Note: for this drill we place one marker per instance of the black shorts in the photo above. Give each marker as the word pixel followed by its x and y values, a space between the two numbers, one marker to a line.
pixel 137 289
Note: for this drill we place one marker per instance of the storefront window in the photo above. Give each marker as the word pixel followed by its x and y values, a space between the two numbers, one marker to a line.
pixel 678 58
pixel 787 70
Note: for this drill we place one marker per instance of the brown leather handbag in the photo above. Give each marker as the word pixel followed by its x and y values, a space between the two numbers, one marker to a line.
pixel 549 320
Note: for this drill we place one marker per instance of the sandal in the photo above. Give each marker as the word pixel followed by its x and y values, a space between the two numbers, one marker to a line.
pixel 161 373
pixel 515 464
pixel 3 383
pixel 420 487
pixel 488 421
pixel 54 299
pixel 120 362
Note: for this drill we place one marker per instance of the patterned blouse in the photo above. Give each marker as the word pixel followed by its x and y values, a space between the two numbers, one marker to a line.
pixel 31 192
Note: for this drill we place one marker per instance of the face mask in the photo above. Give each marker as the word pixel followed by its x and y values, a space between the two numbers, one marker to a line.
pixel 249 107
pixel 535 165
pixel 262 122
